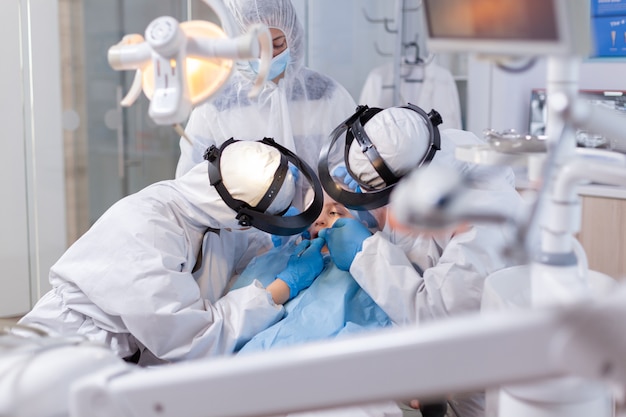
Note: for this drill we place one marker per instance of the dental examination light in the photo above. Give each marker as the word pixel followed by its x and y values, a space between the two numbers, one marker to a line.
pixel 178 65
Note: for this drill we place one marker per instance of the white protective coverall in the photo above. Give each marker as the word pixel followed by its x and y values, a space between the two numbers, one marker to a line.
pixel 299 112
pixel 451 266
pixel 128 282
pixel 436 89
pixel 454 264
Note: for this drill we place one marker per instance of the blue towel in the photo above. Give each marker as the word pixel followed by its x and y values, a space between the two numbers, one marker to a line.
pixel 333 306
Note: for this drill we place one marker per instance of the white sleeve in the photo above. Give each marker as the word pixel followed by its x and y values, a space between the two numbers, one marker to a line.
pixel 203 329
pixel 162 307
pixel 384 271
pixel 453 284
pixel 371 92
pixel 198 132
pixel 439 91
pixel 185 162
pixel 135 265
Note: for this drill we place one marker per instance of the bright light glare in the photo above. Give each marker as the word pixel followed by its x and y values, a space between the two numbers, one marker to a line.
pixel 204 76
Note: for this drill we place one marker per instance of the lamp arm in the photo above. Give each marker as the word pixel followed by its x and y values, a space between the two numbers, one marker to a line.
pixel 132 52
pixel 585 339
pixel 242 47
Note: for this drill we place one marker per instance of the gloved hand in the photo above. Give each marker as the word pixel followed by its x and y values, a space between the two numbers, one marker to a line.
pixel 303 266
pixel 294 171
pixel 344 241
pixel 279 241
pixel 342 172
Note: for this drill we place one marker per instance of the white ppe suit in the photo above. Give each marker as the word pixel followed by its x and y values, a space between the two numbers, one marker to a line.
pixel 128 281
pixel 299 112
pixel 436 90
pixel 454 265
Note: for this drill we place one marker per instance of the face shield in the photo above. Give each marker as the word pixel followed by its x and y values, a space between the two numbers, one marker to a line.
pixel 378 148
pixel 254 179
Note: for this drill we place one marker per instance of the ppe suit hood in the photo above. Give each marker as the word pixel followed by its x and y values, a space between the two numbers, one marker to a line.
pixel 248 170
pixel 201 202
pixel 205 206
pixel 401 138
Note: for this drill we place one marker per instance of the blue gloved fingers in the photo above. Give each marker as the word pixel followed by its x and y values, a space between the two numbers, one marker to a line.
pixel 317 244
pixel 352 184
pixel 301 247
pixel 294 171
pixel 303 266
pixel 306 234
pixel 345 241
pixel 342 172
pixel 340 222
pixel 277 241
pixel 291 211
pixel 308 248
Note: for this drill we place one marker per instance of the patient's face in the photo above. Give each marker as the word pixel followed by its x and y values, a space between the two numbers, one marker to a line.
pixel 331 211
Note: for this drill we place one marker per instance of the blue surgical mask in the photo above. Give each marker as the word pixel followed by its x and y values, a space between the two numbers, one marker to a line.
pixel 278 65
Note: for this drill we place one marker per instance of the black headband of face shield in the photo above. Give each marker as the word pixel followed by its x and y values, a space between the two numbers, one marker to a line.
pixel 353 127
pixel 256 216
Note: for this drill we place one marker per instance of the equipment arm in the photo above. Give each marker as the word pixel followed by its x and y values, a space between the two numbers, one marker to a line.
pixel 476 352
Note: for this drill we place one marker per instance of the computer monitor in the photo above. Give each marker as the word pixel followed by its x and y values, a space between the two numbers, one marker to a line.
pixel 509 27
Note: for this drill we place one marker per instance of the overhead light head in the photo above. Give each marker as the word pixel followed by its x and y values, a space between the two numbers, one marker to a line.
pixel 204 76
pixel 179 65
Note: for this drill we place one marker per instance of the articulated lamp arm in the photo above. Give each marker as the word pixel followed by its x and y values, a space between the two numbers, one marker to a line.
pixel 179 65
pixel 429 361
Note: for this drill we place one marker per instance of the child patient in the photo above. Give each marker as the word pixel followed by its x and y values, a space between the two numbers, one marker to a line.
pixel 334 305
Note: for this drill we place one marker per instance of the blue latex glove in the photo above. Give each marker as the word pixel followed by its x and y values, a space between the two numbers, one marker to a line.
pixel 294 172
pixel 344 241
pixel 342 173
pixel 279 241
pixel 303 266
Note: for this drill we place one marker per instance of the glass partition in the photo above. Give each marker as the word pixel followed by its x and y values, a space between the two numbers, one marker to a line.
pixel 110 151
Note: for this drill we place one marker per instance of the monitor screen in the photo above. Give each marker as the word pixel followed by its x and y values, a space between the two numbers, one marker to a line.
pixel 523 20
pixel 509 27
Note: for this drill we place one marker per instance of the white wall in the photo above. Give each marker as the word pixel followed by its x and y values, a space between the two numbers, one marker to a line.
pixel 14 284
pixel 341 42
pixel 32 213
